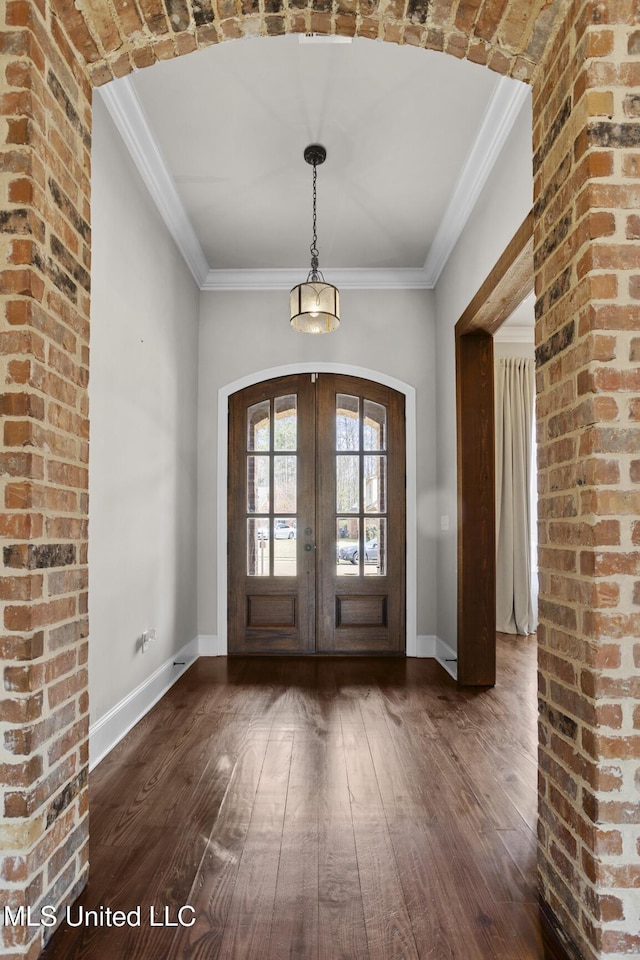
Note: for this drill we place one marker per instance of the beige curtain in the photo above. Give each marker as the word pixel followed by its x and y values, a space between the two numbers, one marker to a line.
pixel 516 571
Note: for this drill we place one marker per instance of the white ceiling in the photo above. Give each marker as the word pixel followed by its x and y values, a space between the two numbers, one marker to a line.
pixel 410 134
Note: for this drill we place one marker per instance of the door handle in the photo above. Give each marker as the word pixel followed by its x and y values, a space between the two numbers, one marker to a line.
pixel 309 546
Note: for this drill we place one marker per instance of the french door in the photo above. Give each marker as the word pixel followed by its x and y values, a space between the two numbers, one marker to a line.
pixel 316 513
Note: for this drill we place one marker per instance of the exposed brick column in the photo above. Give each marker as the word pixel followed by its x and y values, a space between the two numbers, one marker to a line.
pixel 587 170
pixel 45 123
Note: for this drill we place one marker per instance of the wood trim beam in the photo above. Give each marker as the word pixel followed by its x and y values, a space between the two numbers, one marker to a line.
pixel 476 511
pixel 508 283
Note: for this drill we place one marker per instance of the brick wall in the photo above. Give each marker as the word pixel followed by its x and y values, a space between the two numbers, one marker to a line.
pixel 587 165
pixel 114 38
pixel 587 159
pixel 45 123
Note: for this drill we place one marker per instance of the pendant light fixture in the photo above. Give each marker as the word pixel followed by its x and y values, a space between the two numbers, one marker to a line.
pixel 315 304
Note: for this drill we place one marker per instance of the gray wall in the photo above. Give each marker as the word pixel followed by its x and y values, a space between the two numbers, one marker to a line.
pixel 142 551
pixel 391 332
pixel 503 205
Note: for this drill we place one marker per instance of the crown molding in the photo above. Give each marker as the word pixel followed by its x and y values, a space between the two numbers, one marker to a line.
pixel 406 278
pixel 124 106
pixel 121 100
pixel 502 111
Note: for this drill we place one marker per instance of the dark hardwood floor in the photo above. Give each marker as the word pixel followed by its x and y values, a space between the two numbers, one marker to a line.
pixel 321 809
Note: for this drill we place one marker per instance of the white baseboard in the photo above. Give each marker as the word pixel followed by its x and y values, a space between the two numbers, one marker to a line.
pixel 106 732
pixel 425 646
pixel 447 657
pixel 209 645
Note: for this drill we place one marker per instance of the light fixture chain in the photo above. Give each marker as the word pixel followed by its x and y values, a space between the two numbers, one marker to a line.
pixel 314 242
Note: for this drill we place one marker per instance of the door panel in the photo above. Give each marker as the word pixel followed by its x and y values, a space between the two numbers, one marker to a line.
pixel 361 517
pixel 271 507
pixel 317 517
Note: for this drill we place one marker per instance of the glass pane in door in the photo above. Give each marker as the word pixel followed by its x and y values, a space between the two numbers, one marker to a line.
pixel 284 547
pixel 272 486
pixel 348 546
pixel 258 421
pixel 257 484
pixel 375 547
pixel 285 423
pixel 375 426
pixel 284 484
pixel 361 486
pixel 347 422
pixel 347 484
pixel 375 495
pixel 258 548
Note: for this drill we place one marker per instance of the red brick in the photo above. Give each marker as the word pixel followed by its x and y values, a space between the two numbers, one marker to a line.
pixel 69 740
pixel 22 648
pixel 26 587
pixel 597 624
pixel 621 877
pixel 24 679
pixel 68 581
pixel 614 941
pixel 609 715
pixel 609 563
pixel 21 464
pixel 26 802
pixel 610 502
pixel 21 774
pixel 21 710
pixel 67 474
pixel 37 615
pixel 62 691
pixel 610 908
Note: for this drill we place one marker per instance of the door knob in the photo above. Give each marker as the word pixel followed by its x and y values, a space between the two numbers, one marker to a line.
pixel 309 546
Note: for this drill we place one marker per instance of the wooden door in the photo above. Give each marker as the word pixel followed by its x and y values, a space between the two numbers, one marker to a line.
pixel 316 517
pixel 271 517
pixel 361 517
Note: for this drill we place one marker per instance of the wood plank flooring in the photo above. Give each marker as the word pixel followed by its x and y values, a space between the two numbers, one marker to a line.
pixel 327 809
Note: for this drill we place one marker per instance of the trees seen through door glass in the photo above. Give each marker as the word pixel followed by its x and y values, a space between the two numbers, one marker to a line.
pixel 272 492
pixel 361 485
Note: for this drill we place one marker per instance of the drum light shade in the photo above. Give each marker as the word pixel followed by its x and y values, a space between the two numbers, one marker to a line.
pixel 315 307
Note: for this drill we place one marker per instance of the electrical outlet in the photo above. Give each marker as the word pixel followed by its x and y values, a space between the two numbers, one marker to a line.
pixel 147 637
